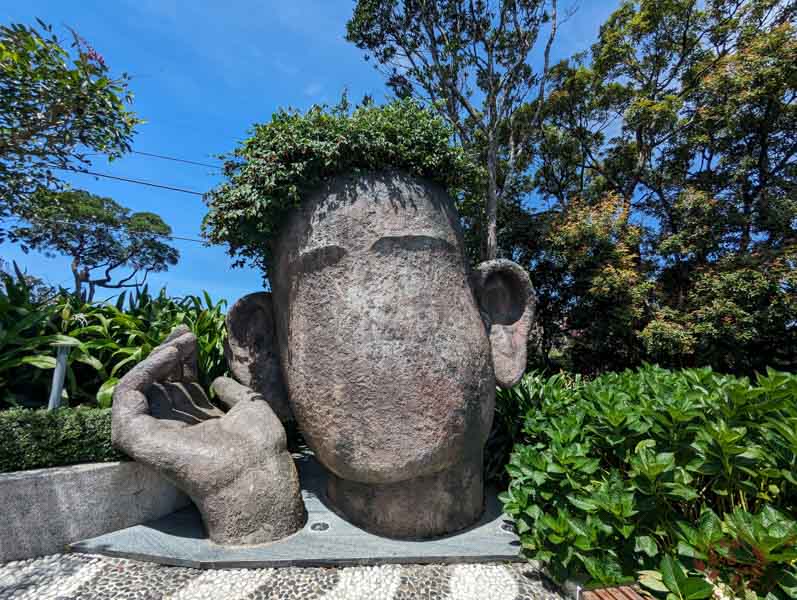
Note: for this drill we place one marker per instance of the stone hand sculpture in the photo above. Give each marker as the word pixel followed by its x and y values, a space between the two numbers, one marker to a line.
pixel 234 466
pixel 389 348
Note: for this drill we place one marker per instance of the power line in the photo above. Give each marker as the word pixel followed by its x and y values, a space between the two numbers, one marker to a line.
pixel 185 239
pixel 172 158
pixel 129 180
pixel 117 228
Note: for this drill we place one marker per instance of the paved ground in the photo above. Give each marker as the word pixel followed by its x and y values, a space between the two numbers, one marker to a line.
pixel 87 577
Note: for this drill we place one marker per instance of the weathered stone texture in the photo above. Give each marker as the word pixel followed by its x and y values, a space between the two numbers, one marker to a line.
pixel 380 342
pixel 251 351
pixel 444 502
pixel 384 349
pixel 46 509
pixel 499 284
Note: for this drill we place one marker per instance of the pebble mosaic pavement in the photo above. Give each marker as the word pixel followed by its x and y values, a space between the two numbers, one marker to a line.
pixel 87 577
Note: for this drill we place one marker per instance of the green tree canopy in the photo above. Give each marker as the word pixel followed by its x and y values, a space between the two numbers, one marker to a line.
pixel 686 113
pixel 57 105
pixel 99 235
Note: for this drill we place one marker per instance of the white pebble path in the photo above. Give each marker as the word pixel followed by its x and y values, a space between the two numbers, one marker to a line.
pixel 60 577
pixel 478 582
pixel 57 587
pixel 366 583
pixel 234 584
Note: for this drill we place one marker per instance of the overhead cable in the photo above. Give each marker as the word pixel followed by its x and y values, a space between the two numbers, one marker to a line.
pixel 131 180
pixel 116 227
pixel 172 158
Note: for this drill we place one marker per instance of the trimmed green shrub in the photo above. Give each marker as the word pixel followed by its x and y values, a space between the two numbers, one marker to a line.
pixel 38 439
pixel 617 473
pixel 510 406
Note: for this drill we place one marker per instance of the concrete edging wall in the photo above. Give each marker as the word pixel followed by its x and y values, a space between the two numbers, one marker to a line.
pixel 43 510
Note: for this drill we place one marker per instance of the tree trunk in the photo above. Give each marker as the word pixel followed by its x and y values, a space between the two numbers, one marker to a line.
pixel 78 280
pixel 747 225
pixel 491 246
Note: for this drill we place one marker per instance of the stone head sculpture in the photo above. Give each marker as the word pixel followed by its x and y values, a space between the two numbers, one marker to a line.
pixel 382 344
pixel 387 349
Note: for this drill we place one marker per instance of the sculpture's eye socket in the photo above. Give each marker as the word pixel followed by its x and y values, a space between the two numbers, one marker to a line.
pixel 319 258
pixel 389 244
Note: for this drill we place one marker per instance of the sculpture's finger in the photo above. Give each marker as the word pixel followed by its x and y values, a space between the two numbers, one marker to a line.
pixel 185 341
pixel 129 396
pixel 177 332
pixel 230 392
pixel 249 414
pixel 163 361
pixel 181 401
pixel 253 419
pixel 133 429
pixel 173 360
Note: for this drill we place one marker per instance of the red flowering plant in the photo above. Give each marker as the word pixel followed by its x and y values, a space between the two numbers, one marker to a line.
pixel 86 50
pixel 60 106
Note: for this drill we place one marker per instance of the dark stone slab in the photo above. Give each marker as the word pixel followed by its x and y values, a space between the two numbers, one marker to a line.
pixel 326 539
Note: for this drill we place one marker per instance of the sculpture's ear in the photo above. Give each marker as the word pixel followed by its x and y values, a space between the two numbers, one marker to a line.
pixel 506 300
pixel 252 351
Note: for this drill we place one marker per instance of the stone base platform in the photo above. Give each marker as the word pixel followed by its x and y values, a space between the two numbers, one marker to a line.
pixel 326 539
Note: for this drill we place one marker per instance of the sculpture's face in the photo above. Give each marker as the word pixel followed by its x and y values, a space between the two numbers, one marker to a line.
pixel 384 351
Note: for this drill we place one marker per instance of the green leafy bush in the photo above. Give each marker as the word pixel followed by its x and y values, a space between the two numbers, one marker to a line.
pixel 27 335
pixel 509 405
pixel 613 474
pixel 293 153
pixel 106 339
pixel 741 556
pixel 37 439
pixel 114 338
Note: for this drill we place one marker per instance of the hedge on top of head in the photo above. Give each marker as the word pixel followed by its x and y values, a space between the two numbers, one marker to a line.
pixel 271 171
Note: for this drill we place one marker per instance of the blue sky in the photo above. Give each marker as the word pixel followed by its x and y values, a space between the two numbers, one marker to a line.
pixel 203 72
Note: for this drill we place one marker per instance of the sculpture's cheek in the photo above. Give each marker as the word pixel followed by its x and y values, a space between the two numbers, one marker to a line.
pixel 389 367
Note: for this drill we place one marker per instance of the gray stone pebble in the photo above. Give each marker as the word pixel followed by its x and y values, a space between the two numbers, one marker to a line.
pixel 43 577
pixel 86 577
pixel 423 582
pixel 532 585
pixel 120 578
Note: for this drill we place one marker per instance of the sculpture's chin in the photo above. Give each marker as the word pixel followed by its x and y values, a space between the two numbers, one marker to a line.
pixel 370 465
pixel 422 507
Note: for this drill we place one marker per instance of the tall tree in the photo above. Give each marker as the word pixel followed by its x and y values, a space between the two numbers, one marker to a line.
pixel 686 111
pixel 58 105
pixel 468 59
pixel 99 235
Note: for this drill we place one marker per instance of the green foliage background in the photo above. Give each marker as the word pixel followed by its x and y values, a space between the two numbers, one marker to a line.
pixel 59 104
pixel 668 163
pixel 98 235
pixel 106 339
